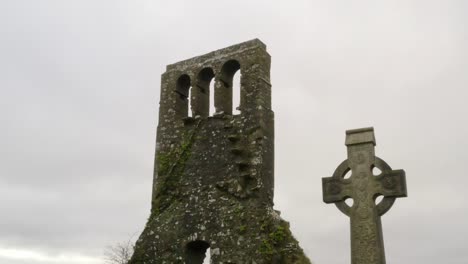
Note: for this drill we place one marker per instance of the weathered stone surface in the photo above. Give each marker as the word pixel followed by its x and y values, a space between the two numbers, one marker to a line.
pixel 364 187
pixel 214 178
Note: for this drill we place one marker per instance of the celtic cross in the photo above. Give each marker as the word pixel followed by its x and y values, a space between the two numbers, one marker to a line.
pixel 364 187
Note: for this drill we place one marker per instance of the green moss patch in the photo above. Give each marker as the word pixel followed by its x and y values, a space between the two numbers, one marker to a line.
pixel 171 166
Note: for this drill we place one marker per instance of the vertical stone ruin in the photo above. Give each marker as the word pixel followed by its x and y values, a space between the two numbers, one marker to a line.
pixel 214 174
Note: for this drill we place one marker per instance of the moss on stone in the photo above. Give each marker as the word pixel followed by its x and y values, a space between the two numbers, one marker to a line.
pixel 242 228
pixel 171 166
pixel 279 245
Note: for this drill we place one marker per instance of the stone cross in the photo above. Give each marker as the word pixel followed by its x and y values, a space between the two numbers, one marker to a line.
pixel 364 187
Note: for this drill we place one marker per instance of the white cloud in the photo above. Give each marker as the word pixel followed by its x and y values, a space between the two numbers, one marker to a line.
pixel 14 256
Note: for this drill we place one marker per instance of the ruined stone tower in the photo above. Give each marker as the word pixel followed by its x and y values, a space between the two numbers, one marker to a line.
pixel 213 177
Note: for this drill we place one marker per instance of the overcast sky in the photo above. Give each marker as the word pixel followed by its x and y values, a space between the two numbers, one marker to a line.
pixel 79 101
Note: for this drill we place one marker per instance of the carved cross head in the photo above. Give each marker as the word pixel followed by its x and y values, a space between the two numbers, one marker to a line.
pixel 363 186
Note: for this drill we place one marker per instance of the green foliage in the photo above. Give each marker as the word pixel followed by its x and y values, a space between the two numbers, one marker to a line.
pixel 266 247
pixel 273 246
pixel 277 236
pixel 274 240
pixel 242 228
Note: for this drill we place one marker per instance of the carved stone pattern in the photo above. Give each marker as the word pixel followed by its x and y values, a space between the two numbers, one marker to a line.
pixel 389 182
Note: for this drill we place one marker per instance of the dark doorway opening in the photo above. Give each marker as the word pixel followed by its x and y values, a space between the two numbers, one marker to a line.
pixel 196 252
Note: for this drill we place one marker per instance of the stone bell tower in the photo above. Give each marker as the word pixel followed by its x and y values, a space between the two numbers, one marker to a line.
pixel 213 177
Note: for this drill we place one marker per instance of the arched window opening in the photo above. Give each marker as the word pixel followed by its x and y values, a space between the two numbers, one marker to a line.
pixel 236 93
pixel 378 199
pixel 212 109
pixel 223 88
pixel 183 96
pixel 198 252
pixel 201 94
pixel 189 103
